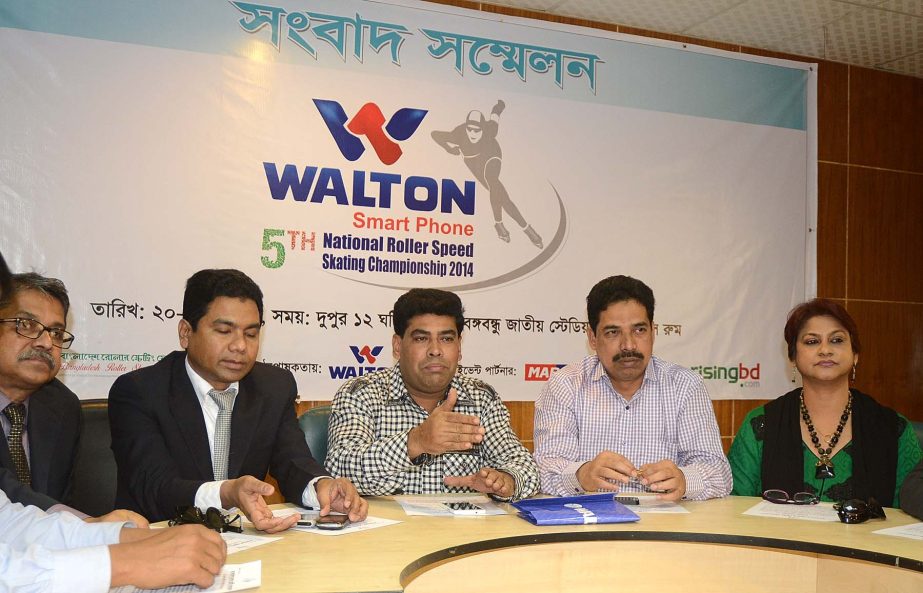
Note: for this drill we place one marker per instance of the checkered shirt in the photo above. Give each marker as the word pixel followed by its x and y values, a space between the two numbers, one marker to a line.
pixel 372 416
pixel 579 414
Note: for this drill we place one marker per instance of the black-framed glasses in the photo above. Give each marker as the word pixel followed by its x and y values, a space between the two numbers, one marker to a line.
pixel 212 518
pixel 856 510
pixel 33 329
pixel 776 496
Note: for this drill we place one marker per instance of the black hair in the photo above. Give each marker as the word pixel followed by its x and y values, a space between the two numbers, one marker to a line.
pixel 31 281
pixel 205 286
pixel 422 301
pixel 617 289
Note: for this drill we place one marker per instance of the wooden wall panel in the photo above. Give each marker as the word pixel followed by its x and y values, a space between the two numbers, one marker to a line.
pixel 460 3
pixel 885 120
pixel 833 112
pixel 885 238
pixel 832 210
pixel 890 366
pixel 724 413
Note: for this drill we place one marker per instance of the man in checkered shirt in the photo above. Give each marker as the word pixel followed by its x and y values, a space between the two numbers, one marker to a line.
pixel 623 419
pixel 419 427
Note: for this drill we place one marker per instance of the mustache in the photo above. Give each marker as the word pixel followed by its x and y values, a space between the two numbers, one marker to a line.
pixel 627 354
pixel 33 354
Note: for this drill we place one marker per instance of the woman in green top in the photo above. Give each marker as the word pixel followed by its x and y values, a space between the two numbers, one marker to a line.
pixel 824 438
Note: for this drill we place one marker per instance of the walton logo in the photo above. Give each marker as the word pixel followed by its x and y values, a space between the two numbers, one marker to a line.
pixel 541 372
pixel 368 122
pixel 366 354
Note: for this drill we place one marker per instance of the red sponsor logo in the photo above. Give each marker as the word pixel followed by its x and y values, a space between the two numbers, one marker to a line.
pixel 540 372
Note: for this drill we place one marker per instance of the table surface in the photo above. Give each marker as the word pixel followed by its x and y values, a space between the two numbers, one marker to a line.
pixel 376 560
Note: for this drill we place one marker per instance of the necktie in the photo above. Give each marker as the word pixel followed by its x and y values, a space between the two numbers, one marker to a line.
pixel 17 415
pixel 225 401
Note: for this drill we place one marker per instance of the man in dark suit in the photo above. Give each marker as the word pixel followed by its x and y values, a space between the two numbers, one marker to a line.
pixel 200 425
pixel 54 428
pixel 40 417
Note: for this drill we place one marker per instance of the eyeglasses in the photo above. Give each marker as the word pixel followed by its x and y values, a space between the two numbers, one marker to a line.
pixel 781 497
pixel 212 518
pixel 32 329
pixel 856 510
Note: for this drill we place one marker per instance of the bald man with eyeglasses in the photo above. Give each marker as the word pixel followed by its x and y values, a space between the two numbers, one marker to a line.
pixel 40 418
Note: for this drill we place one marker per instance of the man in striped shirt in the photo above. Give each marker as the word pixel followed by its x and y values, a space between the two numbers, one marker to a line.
pixel 623 419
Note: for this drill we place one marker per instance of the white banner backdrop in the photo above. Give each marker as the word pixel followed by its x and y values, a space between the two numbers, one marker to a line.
pixel 340 152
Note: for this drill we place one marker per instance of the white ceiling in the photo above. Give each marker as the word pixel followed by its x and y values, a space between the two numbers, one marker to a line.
pixel 881 34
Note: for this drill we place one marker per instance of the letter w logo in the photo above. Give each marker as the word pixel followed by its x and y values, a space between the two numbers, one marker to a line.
pixel 369 122
pixel 366 353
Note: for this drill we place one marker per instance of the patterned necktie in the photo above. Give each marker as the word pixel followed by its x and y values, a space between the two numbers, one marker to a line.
pixel 225 401
pixel 17 415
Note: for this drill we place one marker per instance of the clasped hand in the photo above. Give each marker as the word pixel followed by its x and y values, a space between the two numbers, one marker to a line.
pixel 608 470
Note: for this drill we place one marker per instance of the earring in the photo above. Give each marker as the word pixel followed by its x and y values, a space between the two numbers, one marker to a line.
pixel 853 377
pixel 794 373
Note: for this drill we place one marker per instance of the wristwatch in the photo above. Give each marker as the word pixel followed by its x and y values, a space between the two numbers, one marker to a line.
pixel 423 459
pixel 501 498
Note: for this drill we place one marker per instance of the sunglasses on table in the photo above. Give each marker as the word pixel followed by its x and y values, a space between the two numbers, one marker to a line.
pixel 856 510
pixel 212 518
pixel 776 496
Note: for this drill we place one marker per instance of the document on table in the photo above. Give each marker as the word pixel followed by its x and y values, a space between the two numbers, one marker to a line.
pixel 822 511
pixel 233 577
pixel 369 523
pixel 238 542
pixel 912 531
pixel 432 505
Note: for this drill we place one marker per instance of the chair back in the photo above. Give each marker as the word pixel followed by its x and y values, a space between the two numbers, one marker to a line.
pixel 314 425
pixel 93 488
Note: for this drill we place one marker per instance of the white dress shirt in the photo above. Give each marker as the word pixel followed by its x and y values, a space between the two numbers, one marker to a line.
pixel 42 552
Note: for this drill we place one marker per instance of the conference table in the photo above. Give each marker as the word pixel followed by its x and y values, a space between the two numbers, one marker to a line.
pixel 714 547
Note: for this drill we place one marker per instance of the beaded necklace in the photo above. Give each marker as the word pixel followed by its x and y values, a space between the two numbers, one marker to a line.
pixel 824 466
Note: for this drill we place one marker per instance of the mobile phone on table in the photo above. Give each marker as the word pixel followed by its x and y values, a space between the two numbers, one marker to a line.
pixel 331 522
pixel 627 500
pixel 465 508
pixel 305 520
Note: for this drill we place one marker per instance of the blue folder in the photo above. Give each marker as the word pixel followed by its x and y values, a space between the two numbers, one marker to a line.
pixel 575 510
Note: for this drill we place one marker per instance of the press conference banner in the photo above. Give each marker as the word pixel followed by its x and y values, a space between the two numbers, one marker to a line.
pixel 342 152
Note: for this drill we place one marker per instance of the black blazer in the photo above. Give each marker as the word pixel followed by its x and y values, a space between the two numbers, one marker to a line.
pixel 161 447
pixel 54 425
